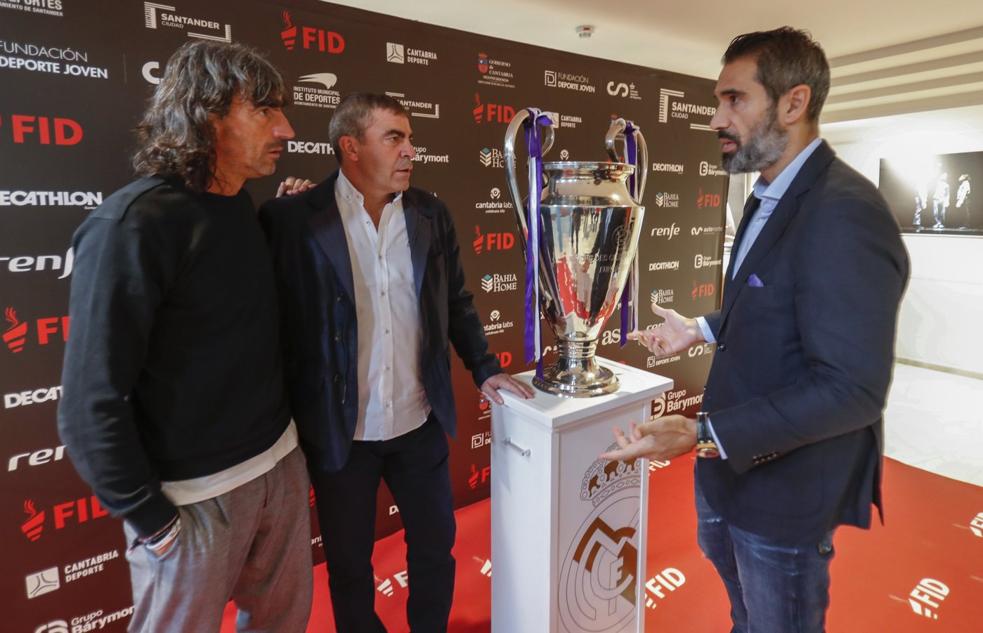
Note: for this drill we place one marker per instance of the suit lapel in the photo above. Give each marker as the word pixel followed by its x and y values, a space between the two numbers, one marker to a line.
pixel 775 227
pixel 419 232
pixel 329 233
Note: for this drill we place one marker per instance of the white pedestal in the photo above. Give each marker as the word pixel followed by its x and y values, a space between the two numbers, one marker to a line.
pixel 568 546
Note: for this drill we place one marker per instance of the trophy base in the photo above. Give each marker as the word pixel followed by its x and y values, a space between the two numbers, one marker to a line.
pixel 582 378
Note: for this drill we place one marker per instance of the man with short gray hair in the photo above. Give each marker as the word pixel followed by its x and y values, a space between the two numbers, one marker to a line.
pixel 373 294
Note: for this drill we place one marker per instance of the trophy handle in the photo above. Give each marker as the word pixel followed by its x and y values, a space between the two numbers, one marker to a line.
pixel 509 155
pixel 616 132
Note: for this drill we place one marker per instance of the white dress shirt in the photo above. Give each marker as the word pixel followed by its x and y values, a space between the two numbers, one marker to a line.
pixel 391 397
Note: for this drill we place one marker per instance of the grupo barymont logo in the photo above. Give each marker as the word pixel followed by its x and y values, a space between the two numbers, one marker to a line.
pixel 41 130
pixel 47 329
pixel 66 514
pixel 310 38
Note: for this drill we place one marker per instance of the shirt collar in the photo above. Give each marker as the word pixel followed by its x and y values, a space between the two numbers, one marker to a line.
pixel 350 193
pixel 777 188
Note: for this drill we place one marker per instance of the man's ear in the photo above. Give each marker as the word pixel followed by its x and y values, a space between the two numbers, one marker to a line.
pixel 348 147
pixel 795 104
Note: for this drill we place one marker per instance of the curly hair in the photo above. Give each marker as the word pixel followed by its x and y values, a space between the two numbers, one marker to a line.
pixel 176 136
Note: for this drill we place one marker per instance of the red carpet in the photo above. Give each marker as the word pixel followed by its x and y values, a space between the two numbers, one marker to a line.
pixel 928 557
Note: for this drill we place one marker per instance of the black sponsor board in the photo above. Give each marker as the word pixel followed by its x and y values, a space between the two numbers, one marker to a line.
pixel 76 80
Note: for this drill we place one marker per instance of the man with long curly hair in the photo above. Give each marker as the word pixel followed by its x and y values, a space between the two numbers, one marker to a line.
pixel 174 407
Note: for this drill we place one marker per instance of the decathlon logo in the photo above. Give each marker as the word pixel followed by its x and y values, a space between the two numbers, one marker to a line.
pixel 666 265
pixel 164 15
pixel 29 397
pixel 84 199
pixel 927 596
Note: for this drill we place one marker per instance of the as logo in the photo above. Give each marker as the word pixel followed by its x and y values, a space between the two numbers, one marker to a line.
pixel 43 130
pixel 46 328
pixel 609 337
pixel 491 112
pixel 491 241
pixel 310 38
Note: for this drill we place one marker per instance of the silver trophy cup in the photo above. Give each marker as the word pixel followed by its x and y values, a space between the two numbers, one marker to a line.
pixel 589 236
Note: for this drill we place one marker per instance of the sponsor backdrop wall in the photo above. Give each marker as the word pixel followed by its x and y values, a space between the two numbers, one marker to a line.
pixel 75 80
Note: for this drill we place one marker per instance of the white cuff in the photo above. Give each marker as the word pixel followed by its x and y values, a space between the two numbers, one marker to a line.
pixel 705 329
pixel 716 440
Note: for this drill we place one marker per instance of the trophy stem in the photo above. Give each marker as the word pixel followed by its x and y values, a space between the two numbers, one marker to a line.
pixel 576 372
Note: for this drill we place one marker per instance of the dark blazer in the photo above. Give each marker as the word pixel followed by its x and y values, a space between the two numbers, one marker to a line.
pixel 317 308
pixel 803 362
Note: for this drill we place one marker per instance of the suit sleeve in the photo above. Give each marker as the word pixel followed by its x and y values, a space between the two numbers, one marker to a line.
pixel 465 329
pixel 851 273
pixel 117 284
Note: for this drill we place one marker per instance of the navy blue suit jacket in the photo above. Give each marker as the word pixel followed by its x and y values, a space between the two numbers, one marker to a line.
pixel 803 363
pixel 317 310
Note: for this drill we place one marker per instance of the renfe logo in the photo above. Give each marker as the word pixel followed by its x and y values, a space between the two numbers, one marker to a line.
pixel 311 38
pixel 27 128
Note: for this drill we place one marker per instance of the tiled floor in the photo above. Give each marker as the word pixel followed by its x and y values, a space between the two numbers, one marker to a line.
pixel 934 421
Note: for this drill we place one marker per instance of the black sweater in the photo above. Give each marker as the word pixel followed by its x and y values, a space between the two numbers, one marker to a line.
pixel 172 369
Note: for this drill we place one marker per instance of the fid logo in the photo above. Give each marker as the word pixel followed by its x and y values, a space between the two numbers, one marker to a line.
pixel 311 38
pixel 926 597
pixel 491 112
pixel 25 128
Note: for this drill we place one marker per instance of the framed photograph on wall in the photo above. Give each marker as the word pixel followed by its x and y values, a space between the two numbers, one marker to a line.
pixel 935 194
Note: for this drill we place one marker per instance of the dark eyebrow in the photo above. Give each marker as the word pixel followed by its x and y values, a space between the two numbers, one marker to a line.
pixel 397 133
pixel 729 92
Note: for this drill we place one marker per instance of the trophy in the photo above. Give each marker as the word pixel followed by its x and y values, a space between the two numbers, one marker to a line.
pixel 579 230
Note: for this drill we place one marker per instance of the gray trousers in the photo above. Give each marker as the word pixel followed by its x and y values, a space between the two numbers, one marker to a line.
pixel 251 545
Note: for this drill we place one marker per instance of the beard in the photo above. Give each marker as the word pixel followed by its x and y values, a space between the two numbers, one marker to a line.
pixel 765 145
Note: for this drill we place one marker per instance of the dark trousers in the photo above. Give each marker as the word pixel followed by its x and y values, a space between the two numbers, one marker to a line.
pixel 414 466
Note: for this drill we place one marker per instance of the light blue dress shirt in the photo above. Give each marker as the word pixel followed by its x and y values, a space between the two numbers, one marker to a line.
pixel 769 194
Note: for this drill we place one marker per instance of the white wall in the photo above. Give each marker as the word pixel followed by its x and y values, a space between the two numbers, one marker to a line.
pixel 942 311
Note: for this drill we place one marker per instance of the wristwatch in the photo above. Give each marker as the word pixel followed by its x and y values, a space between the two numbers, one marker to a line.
pixel 705 446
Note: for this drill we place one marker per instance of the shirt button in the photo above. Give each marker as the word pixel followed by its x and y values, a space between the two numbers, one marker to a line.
pixel 387 331
pixel 383 293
